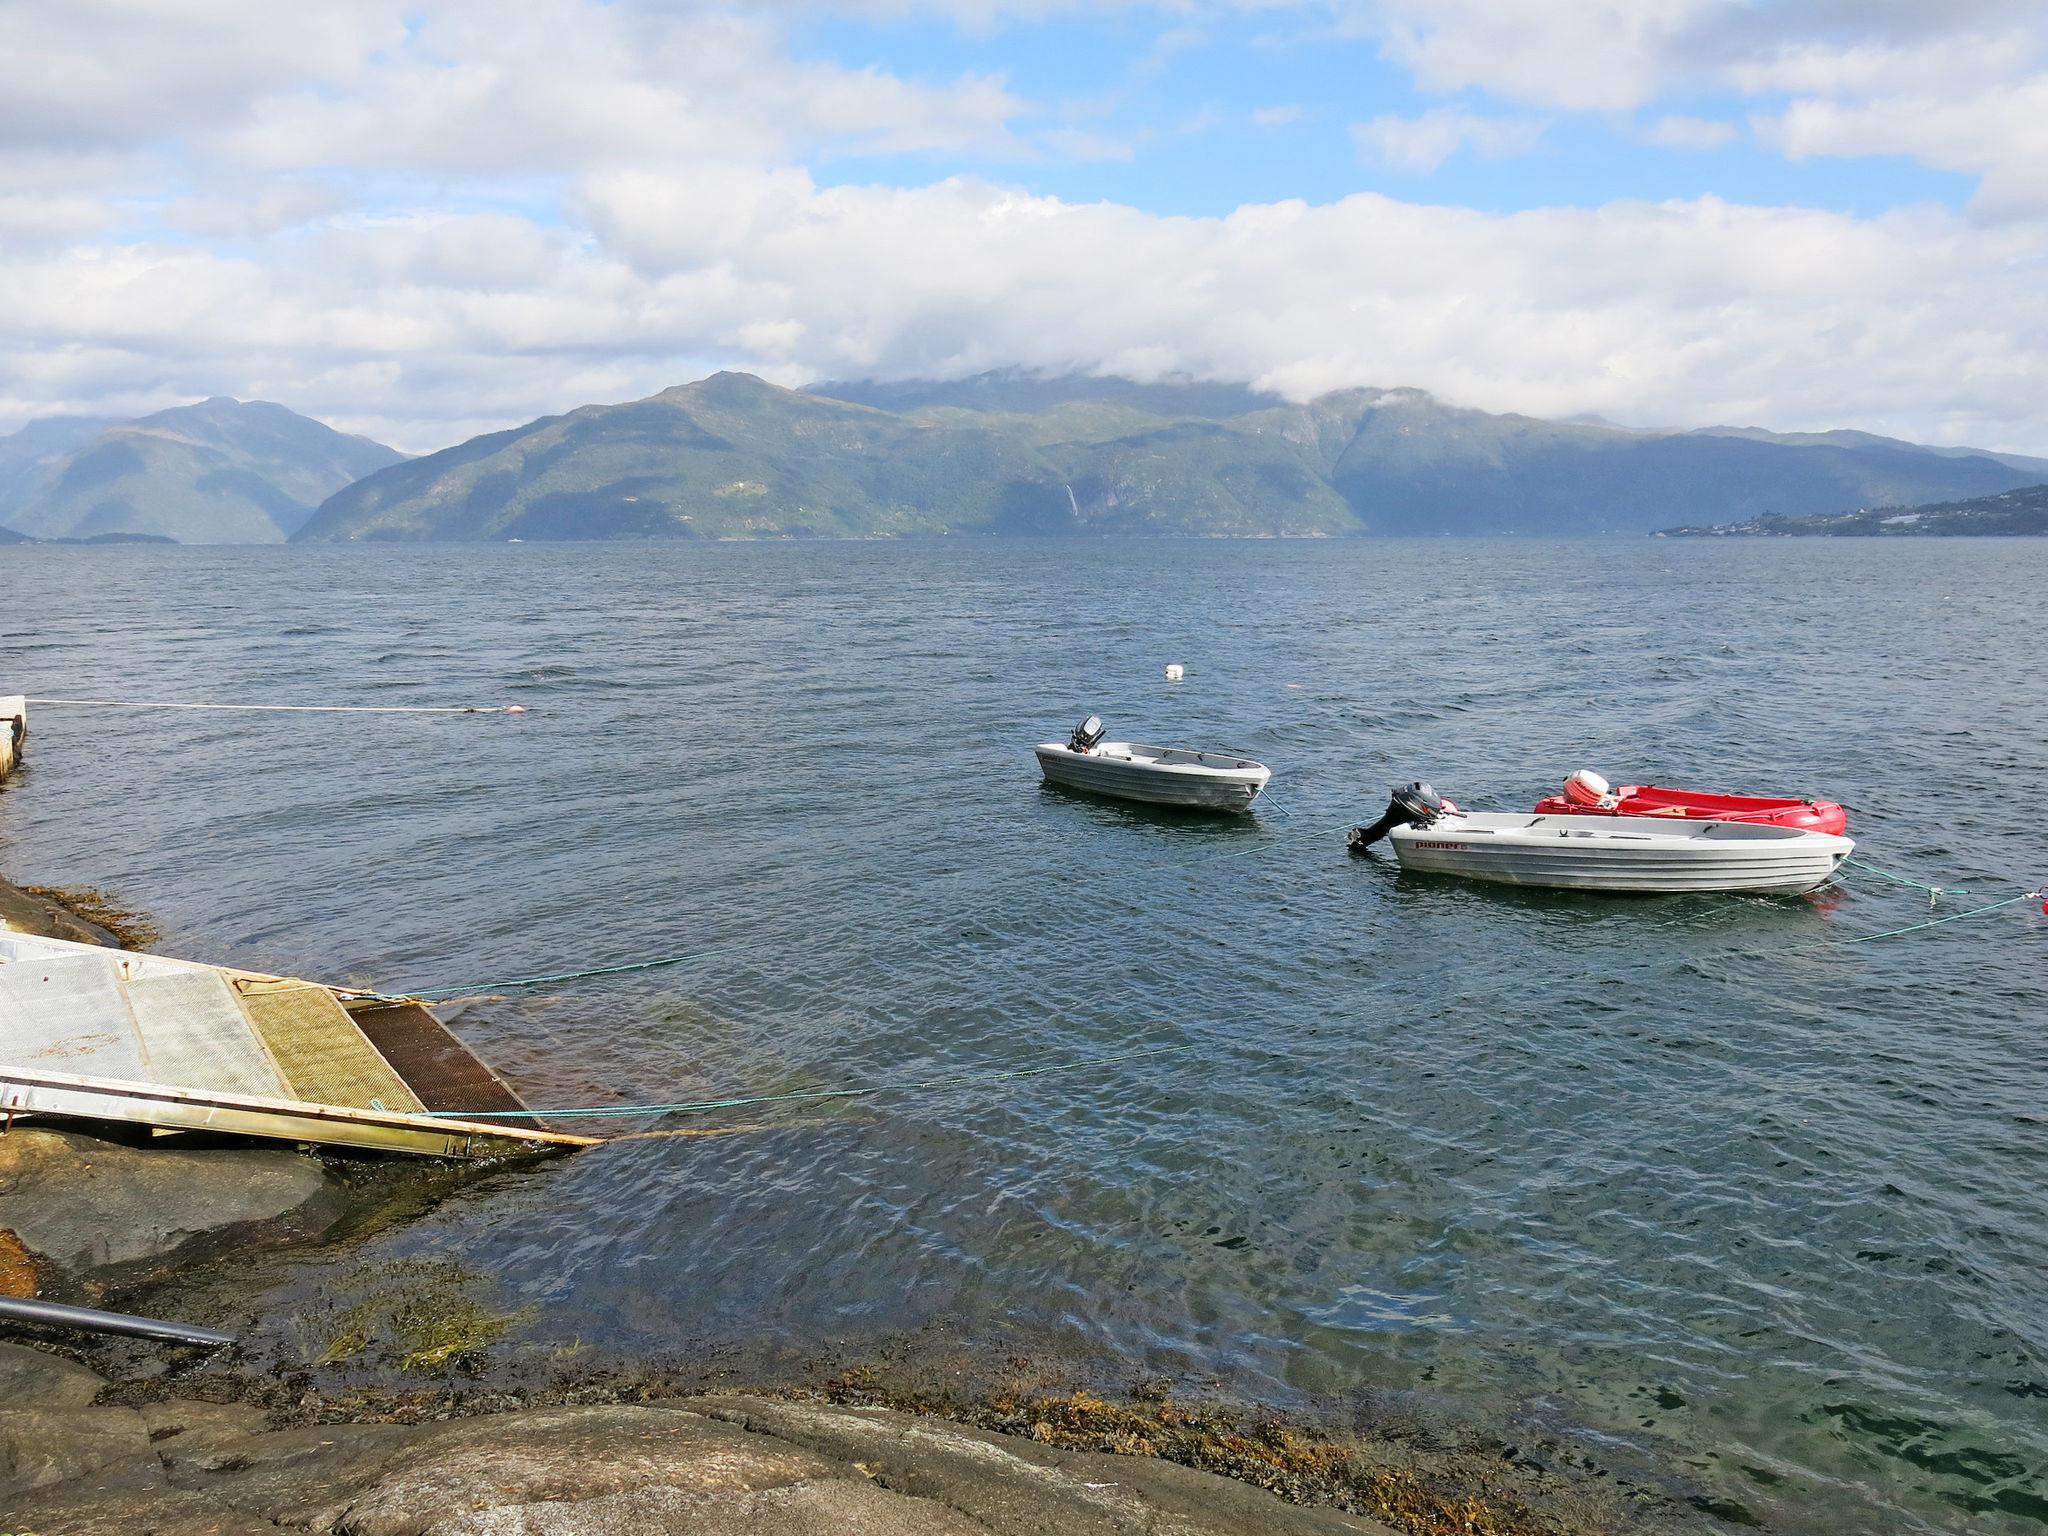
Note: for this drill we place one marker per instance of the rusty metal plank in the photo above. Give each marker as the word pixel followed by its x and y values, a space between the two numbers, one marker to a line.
pixel 438 1067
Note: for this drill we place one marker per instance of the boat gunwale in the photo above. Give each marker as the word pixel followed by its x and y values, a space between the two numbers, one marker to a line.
pixel 1238 767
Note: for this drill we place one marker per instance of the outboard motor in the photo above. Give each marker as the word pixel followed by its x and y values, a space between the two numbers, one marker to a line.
pixel 1412 805
pixel 1585 789
pixel 1086 734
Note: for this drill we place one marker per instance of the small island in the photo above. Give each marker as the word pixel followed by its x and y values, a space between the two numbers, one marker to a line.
pixel 2024 511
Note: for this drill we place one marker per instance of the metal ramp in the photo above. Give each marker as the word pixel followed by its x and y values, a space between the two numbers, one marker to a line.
pixel 105 1034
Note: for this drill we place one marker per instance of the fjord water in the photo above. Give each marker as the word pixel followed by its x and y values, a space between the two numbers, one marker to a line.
pixel 1695 1174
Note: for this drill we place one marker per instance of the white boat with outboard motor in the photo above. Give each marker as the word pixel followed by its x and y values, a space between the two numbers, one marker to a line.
pixel 1602 852
pixel 1131 770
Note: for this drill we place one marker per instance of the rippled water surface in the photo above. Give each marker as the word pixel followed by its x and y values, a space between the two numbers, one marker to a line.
pixel 1698 1172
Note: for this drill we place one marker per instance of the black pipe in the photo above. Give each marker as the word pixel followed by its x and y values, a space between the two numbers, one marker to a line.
pixel 56 1315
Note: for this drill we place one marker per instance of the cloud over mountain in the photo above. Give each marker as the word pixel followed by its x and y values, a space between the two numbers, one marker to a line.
pixel 424 221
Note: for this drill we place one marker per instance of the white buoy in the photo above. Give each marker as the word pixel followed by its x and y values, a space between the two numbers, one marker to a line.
pixel 1175 672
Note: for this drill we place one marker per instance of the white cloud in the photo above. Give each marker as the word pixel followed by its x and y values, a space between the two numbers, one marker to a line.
pixel 46 217
pixel 458 87
pixel 1862 65
pixel 1998 133
pixel 1609 55
pixel 1419 145
pixel 1961 86
pixel 1679 132
pixel 106 72
pixel 547 89
pixel 244 209
pixel 425 226
pixel 1590 55
pixel 422 330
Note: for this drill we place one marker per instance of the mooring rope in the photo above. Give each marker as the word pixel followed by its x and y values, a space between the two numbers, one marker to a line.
pixel 303 709
pixel 1932 891
pixel 1953 917
pixel 700 1106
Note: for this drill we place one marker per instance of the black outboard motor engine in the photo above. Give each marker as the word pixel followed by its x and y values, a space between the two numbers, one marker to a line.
pixel 1086 734
pixel 1412 805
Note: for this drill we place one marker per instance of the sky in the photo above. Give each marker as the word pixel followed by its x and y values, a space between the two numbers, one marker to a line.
pixel 423 219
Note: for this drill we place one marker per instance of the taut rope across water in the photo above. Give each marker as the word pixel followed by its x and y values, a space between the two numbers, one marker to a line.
pixel 301 709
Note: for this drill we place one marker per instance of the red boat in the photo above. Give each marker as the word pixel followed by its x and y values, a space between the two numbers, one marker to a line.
pixel 1587 794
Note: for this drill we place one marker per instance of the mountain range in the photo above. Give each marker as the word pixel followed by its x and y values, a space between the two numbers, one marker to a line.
pixel 733 456
pixel 2024 511
pixel 219 472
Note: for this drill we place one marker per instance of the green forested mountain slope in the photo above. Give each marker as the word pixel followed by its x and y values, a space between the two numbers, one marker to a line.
pixel 732 456
pixel 222 471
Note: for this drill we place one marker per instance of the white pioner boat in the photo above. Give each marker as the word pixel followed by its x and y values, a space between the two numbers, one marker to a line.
pixel 13 731
pixel 1603 853
pixel 1130 770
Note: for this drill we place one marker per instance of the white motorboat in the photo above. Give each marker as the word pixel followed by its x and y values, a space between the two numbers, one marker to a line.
pixel 1130 770
pixel 1601 852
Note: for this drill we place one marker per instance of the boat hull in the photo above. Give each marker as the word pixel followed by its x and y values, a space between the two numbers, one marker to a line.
pixel 13 731
pixel 1193 785
pixel 1651 856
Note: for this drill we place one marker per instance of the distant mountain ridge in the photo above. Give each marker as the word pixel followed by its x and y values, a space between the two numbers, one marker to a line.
pixel 1027 393
pixel 2018 512
pixel 733 456
pixel 26 456
pixel 221 471
pixel 1843 437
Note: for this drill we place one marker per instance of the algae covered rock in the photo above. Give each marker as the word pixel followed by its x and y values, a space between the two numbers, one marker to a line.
pixel 90 1205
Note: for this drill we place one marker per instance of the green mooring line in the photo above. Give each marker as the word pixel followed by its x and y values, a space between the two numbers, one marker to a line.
pixel 1918 885
pixel 1936 922
pixel 698 1106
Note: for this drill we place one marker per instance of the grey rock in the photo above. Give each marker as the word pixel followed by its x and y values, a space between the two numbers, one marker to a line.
pixel 138 1511
pixel 708 1466
pixel 839 1508
pixel 35 1378
pixel 42 1446
pixel 201 1429
pixel 1016 1487
pixel 25 912
pixel 86 1204
pixel 385 1481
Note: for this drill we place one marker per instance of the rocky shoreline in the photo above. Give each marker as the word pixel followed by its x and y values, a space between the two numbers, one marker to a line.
pixel 83 914
pixel 195 1451
pixel 457 1437
pixel 76 1460
pixel 470 1434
